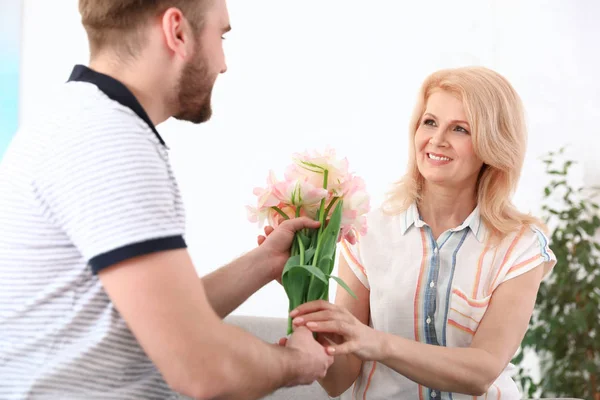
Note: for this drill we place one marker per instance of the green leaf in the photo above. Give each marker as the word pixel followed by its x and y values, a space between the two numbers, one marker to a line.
pixel 519 357
pixel 343 284
pixel 294 281
pixel 304 238
pixel 311 269
pixel 293 260
pixel 330 234
pixel 316 290
pixel 308 255
pixel 325 264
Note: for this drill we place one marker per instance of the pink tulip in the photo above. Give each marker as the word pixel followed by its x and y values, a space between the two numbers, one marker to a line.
pixel 300 192
pixel 311 165
pixel 303 189
pixel 303 192
pixel 266 199
pixel 356 206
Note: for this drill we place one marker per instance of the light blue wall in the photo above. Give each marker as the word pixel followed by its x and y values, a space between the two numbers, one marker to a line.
pixel 10 39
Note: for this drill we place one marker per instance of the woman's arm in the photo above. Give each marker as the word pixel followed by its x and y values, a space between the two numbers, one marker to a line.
pixel 346 367
pixel 461 370
pixel 471 370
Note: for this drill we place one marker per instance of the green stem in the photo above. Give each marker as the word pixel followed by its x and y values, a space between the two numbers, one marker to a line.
pixel 301 246
pixel 284 215
pixel 330 206
pixel 321 219
pixel 319 234
pixel 299 240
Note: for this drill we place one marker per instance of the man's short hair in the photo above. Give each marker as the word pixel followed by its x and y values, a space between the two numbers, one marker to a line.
pixel 118 24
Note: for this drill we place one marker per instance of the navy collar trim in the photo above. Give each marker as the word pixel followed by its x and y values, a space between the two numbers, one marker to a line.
pixel 115 90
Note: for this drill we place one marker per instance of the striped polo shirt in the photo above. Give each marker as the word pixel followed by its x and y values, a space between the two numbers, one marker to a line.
pixel 435 291
pixel 86 185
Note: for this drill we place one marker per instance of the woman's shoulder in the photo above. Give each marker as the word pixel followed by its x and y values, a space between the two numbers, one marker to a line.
pixel 525 235
pixel 522 250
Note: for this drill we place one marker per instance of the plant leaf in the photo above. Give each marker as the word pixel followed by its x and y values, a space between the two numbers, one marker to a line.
pixel 316 290
pixel 330 233
pixel 343 284
pixel 312 270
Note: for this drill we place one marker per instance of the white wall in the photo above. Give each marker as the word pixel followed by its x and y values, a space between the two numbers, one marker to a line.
pixel 345 73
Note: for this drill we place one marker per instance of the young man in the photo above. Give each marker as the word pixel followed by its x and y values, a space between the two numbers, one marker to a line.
pixel 98 295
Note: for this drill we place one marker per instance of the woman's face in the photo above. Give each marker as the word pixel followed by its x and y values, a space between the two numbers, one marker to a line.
pixel 443 145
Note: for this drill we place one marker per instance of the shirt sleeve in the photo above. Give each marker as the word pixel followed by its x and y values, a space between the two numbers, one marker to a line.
pixel 351 254
pixel 113 195
pixel 529 249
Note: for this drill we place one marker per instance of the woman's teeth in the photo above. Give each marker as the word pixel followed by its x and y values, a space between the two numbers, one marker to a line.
pixel 439 158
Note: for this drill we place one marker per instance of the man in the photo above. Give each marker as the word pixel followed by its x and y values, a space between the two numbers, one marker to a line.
pixel 98 295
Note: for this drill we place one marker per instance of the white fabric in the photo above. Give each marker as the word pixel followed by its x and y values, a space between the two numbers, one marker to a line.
pixel 435 292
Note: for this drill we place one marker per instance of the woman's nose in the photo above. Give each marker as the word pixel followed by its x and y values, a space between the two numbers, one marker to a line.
pixel 438 138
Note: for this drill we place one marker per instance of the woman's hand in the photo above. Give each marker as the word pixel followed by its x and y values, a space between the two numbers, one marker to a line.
pixel 357 338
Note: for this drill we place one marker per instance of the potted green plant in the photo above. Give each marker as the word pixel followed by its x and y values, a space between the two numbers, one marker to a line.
pixel 564 331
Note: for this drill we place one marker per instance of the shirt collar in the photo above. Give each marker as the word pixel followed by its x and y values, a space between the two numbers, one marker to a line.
pixel 115 90
pixel 411 217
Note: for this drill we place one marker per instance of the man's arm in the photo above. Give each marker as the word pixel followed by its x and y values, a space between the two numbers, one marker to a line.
pixel 165 305
pixel 228 287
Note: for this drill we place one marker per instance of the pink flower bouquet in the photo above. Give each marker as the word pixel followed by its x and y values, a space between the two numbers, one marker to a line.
pixel 321 187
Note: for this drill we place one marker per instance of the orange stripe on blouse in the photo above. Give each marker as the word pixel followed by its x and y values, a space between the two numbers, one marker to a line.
pixel 499 392
pixel 488 278
pixel 507 256
pixel 472 303
pixel 524 263
pixel 417 294
pixel 466 316
pixel 353 258
pixel 357 384
pixel 418 291
pixel 369 380
pixel 461 327
pixel 479 267
pixel 421 390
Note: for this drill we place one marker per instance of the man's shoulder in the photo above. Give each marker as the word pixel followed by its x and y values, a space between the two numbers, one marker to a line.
pixel 87 108
pixel 83 119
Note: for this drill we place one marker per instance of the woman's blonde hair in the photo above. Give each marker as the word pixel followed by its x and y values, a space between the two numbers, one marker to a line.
pixel 496 116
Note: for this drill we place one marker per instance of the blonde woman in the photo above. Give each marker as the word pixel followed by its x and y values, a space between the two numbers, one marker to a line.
pixel 447 277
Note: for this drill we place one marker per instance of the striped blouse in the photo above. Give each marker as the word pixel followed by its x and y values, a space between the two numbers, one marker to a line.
pixel 434 291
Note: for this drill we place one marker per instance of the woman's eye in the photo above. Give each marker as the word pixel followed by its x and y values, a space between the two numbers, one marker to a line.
pixel 461 129
pixel 429 122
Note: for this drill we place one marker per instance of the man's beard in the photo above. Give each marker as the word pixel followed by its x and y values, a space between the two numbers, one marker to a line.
pixel 194 91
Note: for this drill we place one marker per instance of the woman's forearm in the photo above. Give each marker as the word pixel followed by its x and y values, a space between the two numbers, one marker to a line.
pixel 341 375
pixel 459 370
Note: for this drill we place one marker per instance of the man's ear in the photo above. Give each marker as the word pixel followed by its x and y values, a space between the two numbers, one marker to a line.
pixel 177 32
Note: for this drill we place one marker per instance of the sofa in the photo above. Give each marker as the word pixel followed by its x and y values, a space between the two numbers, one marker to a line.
pixel 271 330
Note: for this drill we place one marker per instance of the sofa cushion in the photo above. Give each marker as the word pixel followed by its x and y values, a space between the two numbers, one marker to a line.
pixel 271 330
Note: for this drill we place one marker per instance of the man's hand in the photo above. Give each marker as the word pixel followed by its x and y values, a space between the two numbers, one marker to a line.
pixel 313 361
pixel 275 246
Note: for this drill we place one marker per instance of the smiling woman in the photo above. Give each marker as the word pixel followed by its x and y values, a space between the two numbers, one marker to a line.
pixel 446 278
pixel 10 33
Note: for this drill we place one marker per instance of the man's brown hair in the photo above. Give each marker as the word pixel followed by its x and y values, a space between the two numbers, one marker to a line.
pixel 118 24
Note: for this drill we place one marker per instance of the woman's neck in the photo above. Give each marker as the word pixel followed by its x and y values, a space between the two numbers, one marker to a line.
pixel 444 208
